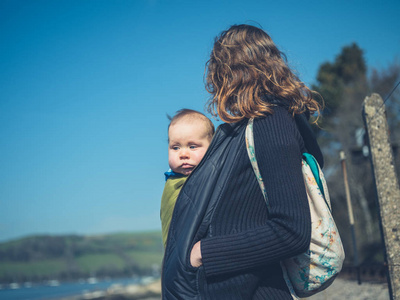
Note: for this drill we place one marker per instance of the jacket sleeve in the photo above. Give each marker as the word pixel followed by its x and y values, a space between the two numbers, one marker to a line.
pixel 287 232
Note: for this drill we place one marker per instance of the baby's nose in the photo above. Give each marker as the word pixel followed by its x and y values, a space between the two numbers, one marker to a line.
pixel 184 153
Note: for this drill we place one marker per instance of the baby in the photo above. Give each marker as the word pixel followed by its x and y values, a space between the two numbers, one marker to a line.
pixel 189 135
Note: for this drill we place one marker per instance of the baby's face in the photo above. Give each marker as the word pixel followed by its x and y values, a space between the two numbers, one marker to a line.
pixel 188 142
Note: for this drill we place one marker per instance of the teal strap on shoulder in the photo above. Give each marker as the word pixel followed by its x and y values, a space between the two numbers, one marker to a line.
pixel 312 162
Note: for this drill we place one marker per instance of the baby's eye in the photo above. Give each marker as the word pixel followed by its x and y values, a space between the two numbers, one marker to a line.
pixel 175 148
pixel 193 147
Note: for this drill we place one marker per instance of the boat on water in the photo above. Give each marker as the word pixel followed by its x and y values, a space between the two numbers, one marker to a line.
pixel 92 280
pixel 53 282
pixel 14 286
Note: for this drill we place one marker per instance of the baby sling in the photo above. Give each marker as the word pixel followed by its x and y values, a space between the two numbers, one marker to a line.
pixel 313 271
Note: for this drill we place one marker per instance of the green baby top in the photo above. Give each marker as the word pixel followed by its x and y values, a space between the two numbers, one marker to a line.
pixel 171 191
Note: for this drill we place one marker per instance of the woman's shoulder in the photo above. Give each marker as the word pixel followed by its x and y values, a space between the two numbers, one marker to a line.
pixel 278 128
pixel 279 116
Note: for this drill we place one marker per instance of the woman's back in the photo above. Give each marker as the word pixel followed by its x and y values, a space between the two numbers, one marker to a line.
pixel 243 241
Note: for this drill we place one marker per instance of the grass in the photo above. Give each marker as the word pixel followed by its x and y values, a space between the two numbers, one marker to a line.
pixel 94 262
pixel 145 259
pixel 47 267
pixel 38 257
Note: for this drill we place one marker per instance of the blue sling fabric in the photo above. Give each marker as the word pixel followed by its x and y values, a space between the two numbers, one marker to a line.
pixel 312 162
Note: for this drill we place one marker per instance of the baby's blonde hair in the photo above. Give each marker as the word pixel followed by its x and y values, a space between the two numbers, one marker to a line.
pixel 191 114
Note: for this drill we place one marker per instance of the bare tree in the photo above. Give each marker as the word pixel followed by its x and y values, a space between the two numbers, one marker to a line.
pixel 344 84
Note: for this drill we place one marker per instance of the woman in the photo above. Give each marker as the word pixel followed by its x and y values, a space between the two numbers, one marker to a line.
pixel 224 243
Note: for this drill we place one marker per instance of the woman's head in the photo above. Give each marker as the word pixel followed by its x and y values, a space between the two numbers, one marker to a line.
pixel 245 66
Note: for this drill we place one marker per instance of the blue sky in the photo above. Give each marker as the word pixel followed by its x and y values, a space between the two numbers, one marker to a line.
pixel 85 87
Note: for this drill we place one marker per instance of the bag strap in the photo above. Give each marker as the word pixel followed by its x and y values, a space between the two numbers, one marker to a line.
pixel 252 155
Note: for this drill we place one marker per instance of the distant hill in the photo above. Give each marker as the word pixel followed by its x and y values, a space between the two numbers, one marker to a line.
pixel 69 257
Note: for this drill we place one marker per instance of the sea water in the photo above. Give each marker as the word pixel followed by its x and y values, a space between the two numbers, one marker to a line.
pixel 56 290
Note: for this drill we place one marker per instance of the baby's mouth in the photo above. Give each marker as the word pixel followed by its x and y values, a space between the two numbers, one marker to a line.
pixel 187 169
pixel 187 166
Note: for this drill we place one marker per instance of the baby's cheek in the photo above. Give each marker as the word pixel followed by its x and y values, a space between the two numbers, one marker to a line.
pixel 198 157
pixel 172 161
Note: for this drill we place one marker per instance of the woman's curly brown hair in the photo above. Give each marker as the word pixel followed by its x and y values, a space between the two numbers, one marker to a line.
pixel 245 69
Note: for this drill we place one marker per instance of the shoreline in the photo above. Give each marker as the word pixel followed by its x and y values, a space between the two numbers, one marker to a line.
pixel 341 288
pixel 141 291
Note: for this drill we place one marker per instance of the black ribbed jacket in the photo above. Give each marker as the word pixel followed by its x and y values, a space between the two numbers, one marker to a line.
pixel 221 204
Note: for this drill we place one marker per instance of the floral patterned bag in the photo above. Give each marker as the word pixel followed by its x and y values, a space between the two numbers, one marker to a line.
pixel 313 271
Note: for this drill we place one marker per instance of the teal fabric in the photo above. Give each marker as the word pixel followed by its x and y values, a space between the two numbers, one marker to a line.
pixel 171 173
pixel 312 162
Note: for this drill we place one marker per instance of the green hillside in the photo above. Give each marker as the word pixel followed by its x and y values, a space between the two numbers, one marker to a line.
pixel 69 257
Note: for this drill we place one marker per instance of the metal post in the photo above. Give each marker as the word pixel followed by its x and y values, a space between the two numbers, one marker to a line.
pixel 351 215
